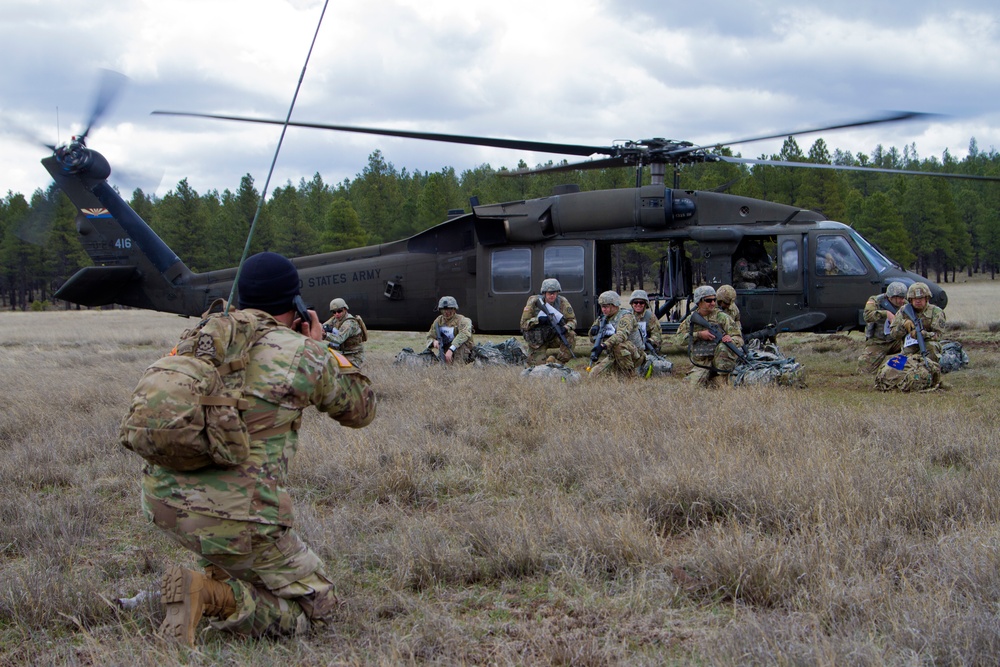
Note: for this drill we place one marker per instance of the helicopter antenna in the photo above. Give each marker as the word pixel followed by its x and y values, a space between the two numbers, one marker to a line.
pixel 263 192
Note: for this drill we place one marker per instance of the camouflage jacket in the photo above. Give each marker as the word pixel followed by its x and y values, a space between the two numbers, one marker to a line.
pixel 877 310
pixel 933 321
pixel 458 329
pixel 287 372
pixel 702 348
pixel 622 327
pixel 650 328
pixel 529 316
pixel 349 338
pixel 734 313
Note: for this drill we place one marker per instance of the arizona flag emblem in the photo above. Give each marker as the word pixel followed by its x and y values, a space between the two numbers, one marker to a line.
pixel 95 212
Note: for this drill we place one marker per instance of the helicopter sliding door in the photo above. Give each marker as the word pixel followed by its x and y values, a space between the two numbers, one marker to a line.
pixel 509 274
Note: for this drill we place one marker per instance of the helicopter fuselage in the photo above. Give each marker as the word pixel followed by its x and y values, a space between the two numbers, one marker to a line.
pixel 494 257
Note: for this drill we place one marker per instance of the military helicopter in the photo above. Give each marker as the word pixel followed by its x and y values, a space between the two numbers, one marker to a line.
pixel 492 257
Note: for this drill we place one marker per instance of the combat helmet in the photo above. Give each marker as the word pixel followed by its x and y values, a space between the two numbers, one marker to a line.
pixel 918 291
pixel 551 285
pixel 337 304
pixel 609 298
pixel 895 289
pixel 702 292
pixel 639 295
pixel 447 302
pixel 726 293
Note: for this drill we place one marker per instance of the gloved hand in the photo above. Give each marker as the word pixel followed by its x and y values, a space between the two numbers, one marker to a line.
pixel 543 318
pixel 909 326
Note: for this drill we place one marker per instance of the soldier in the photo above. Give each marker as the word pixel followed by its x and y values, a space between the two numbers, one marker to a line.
pixel 754 269
pixel 880 311
pixel 712 360
pixel 932 318
pixel 260 577
pixel 726 303
pixel 619 337
pixel 346 332
pixel 912 370
pixel 547 319
pixel 451 331
pixel 649 325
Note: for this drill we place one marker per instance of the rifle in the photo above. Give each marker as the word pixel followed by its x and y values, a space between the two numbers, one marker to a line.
pixel 595 352
pixel 559 327
pixel 696 318
pixel 442 342
pixel 918 329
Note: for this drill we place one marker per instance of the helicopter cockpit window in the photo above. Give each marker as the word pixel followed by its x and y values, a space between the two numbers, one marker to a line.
pixel 836 257
pixel 565 264
pixel 511 271
pixel 878 261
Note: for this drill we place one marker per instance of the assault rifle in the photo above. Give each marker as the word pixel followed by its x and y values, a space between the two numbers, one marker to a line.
pixel 558 326
pixel 595 352
pixel 650 347
pixel 716 330
pixel 443 342
pixel 918 329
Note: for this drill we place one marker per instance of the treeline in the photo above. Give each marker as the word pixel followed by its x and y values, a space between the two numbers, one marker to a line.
pixel 936 226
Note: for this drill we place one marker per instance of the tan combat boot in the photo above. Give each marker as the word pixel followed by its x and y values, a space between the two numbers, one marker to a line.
pixel 187 596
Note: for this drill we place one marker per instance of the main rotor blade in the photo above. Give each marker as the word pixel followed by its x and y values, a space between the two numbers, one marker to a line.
pixel 838 167
pixel 892 117
pixel 110 87
pixel 608 162
pixel 517 144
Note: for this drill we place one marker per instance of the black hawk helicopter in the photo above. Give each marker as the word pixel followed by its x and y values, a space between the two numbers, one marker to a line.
pixel 492 257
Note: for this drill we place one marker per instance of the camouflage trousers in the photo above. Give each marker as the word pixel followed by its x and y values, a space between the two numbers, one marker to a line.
pixel 875 353
pixel 540 354
pixel 717 375
pixel 278 582
pixel 623 360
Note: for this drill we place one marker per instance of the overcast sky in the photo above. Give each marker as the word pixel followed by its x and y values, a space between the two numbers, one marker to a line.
pixel 580 71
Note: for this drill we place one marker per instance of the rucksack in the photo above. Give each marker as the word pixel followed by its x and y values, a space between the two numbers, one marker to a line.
pixel 187 409
pixel 364 328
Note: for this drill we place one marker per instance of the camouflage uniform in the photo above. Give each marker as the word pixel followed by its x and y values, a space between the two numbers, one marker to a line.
pixel 239 519
pixel 878 344
pixel 623 342
pixel 457 328
pixel 711 358
pixel 752 274
pixel 650 329
pixel 349 339
pixel 734 314
pixel 543 337
pixel 912 370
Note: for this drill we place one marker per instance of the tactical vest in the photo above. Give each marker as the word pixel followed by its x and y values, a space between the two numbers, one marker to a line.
pixel 877 329
pixel 354 344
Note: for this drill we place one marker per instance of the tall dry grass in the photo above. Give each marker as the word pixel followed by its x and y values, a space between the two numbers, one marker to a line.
pixel 486 518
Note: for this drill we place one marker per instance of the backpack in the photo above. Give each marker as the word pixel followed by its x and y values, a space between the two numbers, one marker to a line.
pixel 187 409
pixel 904 372
pixel 364 328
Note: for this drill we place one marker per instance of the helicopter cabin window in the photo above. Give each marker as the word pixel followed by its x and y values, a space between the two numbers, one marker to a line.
pixel 565 264
pixel 788 264
pixel 836 257
pixel 511 272
pixel 754 265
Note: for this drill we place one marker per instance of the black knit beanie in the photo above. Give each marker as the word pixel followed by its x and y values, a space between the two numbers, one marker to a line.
pixel 268 282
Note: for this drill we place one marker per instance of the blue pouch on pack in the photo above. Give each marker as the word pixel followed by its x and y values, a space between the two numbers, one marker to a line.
pixel 897 362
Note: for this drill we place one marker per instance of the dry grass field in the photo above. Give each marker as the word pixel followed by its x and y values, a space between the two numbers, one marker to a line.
pixel 488 519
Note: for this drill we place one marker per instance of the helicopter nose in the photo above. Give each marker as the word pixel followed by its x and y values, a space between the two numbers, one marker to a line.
pixel 941 299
